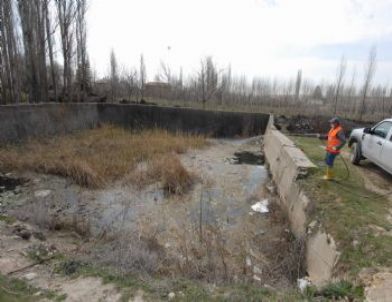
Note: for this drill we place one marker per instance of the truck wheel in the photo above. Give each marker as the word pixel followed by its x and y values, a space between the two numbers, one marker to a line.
pixel 355 154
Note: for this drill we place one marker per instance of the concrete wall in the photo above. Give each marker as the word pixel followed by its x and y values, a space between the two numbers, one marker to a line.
pixel 287 164
pixel 24 121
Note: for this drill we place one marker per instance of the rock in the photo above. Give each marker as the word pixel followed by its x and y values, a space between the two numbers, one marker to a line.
pixel 171 296
pixel 256 278
pixel 260 232
pixel 269 287
pixel 9 194
pixel 257 270
pixel 312 224
pixel 248 261
pixel 17 190
pixel 30 276
pixel 378 285
pixel 42 193
pixel 271 189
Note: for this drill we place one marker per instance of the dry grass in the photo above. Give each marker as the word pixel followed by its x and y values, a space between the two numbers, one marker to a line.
pixel 166 169
pixel 172 174
pixel 95 157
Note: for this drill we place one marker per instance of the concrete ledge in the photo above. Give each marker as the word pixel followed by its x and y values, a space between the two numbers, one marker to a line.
pixel 287 164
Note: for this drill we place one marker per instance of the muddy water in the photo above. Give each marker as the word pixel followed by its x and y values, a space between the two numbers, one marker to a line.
pixel 9 183
pixel 223 194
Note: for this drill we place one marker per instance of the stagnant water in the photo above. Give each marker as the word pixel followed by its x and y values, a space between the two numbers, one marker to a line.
pixel 224 193
pixel 8 183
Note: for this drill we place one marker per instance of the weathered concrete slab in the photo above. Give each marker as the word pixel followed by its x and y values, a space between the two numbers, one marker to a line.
pixel 287 164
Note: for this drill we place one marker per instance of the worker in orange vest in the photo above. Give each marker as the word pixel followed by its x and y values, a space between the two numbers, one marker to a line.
pixel 336 141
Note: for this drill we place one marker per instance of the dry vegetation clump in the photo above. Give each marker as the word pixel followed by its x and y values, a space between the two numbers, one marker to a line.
pixel 166 169
pixel 174 177
pixel 94 157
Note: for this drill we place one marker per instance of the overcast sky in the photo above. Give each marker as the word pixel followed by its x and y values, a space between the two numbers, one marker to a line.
pixel 266 38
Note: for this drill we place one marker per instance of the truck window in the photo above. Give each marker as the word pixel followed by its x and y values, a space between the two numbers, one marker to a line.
pixel 383 129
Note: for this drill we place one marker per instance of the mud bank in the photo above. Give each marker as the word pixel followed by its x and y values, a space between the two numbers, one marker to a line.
pixel 19 122
pixel 287 165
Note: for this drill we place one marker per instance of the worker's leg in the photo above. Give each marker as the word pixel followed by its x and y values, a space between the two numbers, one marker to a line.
pixel 329 160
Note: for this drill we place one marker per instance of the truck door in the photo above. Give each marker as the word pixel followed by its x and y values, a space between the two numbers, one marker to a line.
pixel 386 153
pixel 373 143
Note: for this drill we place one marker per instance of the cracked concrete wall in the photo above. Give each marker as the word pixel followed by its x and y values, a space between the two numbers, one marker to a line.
pixel 287 164
pixel 20 122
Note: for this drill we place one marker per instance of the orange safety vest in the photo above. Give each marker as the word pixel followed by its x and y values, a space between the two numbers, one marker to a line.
pixel 333 140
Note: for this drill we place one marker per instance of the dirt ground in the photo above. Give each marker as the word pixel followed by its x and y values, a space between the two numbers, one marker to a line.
pixel 210 233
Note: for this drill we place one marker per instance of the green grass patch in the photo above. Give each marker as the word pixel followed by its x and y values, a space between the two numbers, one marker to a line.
pixel 342 289
pixel 348 210
pixel 7 219
pixel 16 290
pixel 158 289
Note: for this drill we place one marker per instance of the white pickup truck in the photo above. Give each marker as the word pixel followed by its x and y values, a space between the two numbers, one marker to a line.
pixel 374 144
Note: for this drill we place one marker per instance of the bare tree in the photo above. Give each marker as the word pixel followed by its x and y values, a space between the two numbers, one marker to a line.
pixel 113 75
pixel 131 82
pixel 384 96
pixel 370 70
pixel 32 16
pixel 298 85
pixel 208 79
pixel 339 81
pixel 50 30
pixel 351 92
pixel 226 85
pixel 66 12
pixel 142 77
pixel 165 74
pixel 10 71
pixel 27 48
pixel 83 71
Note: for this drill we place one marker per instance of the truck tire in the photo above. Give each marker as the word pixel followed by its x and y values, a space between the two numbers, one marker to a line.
pixel 356 153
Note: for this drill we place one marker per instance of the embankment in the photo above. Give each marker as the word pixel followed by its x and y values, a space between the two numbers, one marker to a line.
pixel 19 122
pixel 287 165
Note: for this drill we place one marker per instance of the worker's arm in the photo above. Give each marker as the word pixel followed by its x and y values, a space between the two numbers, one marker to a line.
pixel 342 138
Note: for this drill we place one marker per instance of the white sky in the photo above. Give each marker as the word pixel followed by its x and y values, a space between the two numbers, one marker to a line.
pixel 266 38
